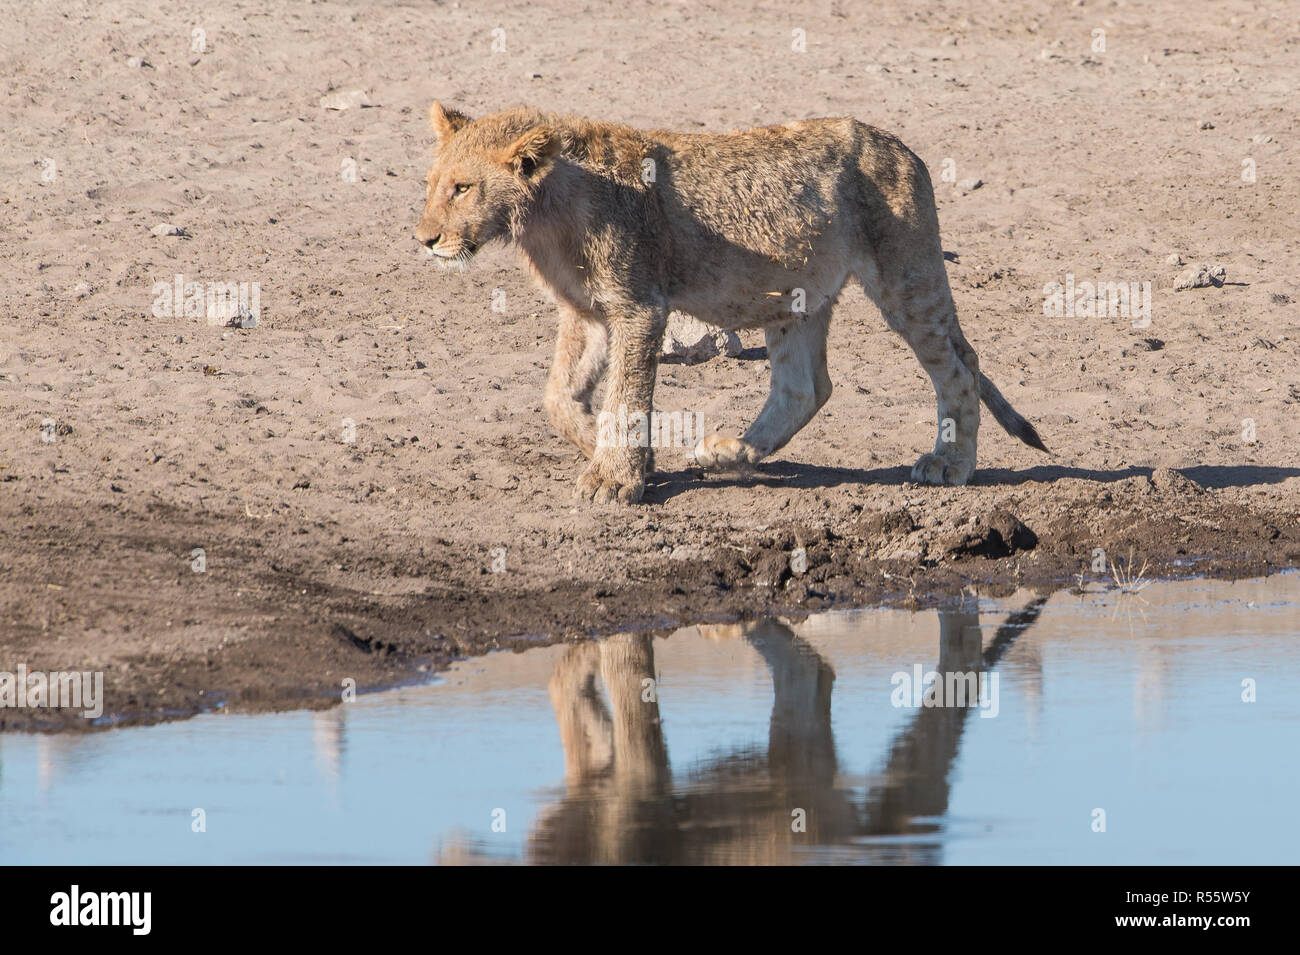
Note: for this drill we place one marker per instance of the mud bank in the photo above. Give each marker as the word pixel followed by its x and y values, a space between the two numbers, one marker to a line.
pixel 283 613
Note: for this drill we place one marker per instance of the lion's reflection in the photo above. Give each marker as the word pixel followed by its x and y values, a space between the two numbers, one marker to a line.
pixel 621 804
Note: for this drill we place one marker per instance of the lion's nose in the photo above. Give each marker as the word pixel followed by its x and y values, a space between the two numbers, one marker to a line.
pixel 430 243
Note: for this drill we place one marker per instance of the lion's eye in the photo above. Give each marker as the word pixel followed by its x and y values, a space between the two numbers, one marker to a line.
pixel 463 188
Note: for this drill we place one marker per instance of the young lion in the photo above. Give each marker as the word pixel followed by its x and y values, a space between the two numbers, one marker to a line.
pixel 751 229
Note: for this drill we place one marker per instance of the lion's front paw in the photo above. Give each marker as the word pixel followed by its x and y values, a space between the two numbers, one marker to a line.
pixel 611 479
pixel 717 452
pixel 935 469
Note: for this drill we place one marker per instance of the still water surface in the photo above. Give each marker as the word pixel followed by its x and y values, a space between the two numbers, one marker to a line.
pixel 771 742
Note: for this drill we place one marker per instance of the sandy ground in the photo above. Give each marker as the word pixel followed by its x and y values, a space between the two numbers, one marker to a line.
pixel 129 441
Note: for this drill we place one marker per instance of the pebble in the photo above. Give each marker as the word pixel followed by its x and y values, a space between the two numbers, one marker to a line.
pixel 345 99
pixel 691 341
pixel 1200 276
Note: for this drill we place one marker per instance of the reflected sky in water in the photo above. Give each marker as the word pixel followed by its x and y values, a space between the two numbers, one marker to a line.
pixel 771 742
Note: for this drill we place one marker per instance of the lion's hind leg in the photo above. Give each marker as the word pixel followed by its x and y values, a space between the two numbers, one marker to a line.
pixel 800 386
pixel 920 308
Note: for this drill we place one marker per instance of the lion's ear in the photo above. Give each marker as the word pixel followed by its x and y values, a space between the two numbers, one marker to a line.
pixel 532 152
pixel 446 122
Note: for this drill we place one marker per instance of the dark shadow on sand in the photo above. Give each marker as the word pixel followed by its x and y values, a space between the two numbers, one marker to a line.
pixel 664 485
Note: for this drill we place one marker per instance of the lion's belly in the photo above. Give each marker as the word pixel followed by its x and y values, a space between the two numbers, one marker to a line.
pixel 737 298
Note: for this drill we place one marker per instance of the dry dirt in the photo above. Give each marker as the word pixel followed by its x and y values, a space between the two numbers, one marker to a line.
pixel 128 441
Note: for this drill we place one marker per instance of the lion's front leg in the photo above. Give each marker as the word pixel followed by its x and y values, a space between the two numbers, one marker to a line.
pixel 581 350
pixel 618 466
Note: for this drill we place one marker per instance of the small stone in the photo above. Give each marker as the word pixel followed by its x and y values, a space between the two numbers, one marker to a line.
pixel 1174 259
pixel 1205 124
pixel 138 62
pixel 346 99
pixel 242 317
pixel 970 185
pixel 1201 276
pixel 1261 139
pixel 690 341
pixel 166 228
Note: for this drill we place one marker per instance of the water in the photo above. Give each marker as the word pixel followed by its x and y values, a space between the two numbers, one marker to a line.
pixel 771 742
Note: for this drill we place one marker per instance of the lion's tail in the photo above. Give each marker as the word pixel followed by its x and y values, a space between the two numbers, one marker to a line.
pixel 1010 419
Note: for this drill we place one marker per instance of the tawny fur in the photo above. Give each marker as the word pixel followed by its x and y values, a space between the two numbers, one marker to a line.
pixel 754 229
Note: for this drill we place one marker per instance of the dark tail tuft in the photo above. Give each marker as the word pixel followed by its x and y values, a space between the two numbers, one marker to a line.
pixel 1029 434
pixel 1008 417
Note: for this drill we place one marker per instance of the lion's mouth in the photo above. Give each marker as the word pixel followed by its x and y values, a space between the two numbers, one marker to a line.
pixel 458 260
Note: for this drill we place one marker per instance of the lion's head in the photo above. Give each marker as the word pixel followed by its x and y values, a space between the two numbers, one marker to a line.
pixel 484 177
